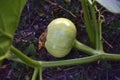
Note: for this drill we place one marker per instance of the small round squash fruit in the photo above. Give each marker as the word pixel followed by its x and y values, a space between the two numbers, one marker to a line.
pixel 60 39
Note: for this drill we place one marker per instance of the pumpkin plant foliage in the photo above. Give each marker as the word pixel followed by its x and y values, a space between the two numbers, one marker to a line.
pixel 111 5
pixel 10 12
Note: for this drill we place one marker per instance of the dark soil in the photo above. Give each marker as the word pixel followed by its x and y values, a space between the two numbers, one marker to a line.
pixel 35 17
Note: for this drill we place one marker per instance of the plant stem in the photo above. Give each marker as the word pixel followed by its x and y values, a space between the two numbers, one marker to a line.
pixel 98 31
pixel 35 73
pixel 96 27
pixel 100 39
pixel 111 56
pixel 34 63
pixel 100 21
pixel 88 22
pixel 84 48
pixel 40 73
pixel 72 61
pixel 13 57
pixel 27 60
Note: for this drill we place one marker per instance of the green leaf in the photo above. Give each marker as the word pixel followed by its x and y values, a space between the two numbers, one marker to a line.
pixel 10 12
pixel 31 49
pixel 111 5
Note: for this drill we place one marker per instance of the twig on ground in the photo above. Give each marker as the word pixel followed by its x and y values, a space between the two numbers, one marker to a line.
pixel 59 6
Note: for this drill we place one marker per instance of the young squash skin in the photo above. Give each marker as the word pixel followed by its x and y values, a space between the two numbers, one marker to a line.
pixel 61 35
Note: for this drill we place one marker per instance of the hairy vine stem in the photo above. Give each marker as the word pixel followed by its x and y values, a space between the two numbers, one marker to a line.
pixel 96 55
pixel 24 58
pixel 34 63
pixel 36 70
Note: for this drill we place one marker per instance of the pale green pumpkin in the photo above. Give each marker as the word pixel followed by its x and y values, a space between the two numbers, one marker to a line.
pixel 60 37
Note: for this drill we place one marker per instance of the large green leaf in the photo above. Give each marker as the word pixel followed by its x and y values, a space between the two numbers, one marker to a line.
pixel 10 11
pixel 111 5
